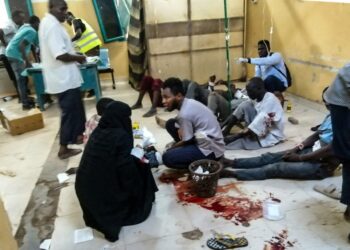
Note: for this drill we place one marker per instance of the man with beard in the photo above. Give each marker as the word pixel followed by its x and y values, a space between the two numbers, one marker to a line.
pixel 196 131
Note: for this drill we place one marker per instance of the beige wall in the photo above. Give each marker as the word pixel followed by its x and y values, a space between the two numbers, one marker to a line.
pixel 84 9
pixel 186 38
pixel 313 37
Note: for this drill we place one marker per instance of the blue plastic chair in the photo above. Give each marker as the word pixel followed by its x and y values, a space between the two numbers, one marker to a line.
pixel 104 66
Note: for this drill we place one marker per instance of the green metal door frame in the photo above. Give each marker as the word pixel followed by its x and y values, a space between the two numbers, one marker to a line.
pixel 29 6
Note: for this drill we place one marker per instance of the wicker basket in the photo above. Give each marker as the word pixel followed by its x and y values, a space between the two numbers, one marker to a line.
pixel 204 185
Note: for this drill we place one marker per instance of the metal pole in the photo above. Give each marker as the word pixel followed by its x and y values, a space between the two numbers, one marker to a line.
pixel 227 40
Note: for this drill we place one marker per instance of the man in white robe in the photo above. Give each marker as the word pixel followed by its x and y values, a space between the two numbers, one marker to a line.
pixel 264 116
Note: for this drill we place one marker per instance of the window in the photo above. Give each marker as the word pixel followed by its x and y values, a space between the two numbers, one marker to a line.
pixel 109 20
pixel 24 5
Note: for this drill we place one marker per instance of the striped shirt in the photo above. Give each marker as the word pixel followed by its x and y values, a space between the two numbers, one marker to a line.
pixel 339 92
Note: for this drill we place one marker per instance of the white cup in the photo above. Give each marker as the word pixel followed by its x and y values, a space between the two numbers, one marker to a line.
pixel 272 209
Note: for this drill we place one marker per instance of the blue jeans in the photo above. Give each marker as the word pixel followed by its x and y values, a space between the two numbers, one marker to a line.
pixel 182 157
pixel 271 165
pixel 341 146
pixel 272 84
pixel 18 67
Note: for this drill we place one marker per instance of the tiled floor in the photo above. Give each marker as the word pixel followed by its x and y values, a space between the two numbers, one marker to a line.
pixel 313 221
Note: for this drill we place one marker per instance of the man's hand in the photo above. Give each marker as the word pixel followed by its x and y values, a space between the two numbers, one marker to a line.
pixel 28 64
pixel 220 82
pixel 180 133
pixel 243 60
pixel 80 59
pixel 292 157
pixel 271 114
pixel 212 78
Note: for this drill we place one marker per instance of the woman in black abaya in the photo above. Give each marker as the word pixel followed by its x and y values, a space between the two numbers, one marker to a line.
pixel 113 189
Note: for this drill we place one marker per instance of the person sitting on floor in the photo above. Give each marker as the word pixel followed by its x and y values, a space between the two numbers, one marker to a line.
pixel 200 92
pixel 312 159
pixel 153 87
pixel 196 131
pixel 264 116
pixel 223 103
pixel 113 187
pixel 92 123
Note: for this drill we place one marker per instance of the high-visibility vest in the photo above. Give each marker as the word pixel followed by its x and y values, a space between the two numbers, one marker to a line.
pixel 88 39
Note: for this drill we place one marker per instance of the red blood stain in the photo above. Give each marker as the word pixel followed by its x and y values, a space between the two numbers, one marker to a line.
pixel 240 209
pixel 279 242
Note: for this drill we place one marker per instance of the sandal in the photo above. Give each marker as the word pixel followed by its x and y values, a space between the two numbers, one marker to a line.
pixel 226 241
pixel 330 190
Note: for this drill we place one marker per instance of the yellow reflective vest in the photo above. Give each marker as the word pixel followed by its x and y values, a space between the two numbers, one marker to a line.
pixel 88 39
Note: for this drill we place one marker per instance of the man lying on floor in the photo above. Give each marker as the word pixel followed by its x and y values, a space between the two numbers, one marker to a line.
pixel 312 159
pixel 264 115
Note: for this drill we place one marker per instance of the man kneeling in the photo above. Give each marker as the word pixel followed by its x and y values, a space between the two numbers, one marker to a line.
pixel 196 131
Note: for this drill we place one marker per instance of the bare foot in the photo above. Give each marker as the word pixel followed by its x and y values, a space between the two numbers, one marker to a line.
pixel 150 112
pixel 226 162
pixel 68 152
pixel 136 106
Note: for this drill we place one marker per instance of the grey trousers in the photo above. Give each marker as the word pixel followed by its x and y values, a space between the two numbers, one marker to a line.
pixel 245 111
pixel 220 106
pixel 18 67
pixel 197 92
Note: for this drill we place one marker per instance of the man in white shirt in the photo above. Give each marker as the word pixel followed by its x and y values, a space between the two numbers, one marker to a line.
pixel 265 117
pixel 196 131
pixel 270 67
pixel 62 76
pixel 6 34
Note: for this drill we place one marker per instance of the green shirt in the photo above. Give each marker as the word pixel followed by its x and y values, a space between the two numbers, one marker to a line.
pixel 26 32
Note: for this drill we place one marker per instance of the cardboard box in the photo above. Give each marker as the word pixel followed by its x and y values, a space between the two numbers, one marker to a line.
pixel 19 123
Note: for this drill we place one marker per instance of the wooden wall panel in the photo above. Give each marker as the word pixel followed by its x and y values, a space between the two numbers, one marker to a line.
pixel 168 45
pixel 206 63
pixel 213 9
pixel 165 11
pixel 217 40
pixel 173 65
pixel 186 38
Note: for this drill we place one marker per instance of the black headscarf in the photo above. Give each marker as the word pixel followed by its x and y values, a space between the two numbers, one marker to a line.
pixel 117 115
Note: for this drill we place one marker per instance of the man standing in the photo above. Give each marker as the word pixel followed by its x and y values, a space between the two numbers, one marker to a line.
pixel 6 34
pixel 196 131
pixel 62 76
pixel 338 98
pixel 85 37
pixel 17 52
pixel 270 67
